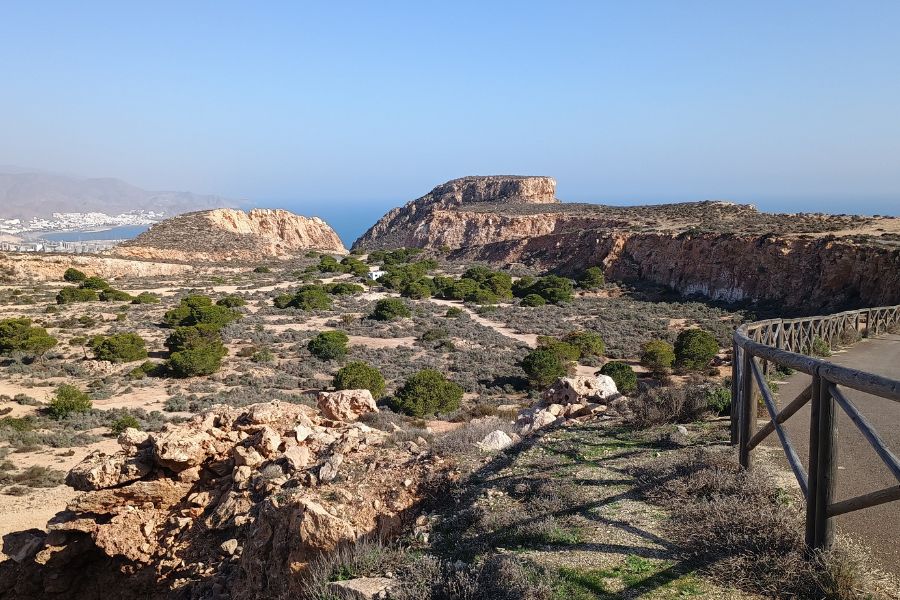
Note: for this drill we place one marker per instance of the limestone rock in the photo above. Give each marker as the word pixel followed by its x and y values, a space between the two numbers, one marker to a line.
pixel 179 449
pixel 495 441
pixel 99 470
pixel 363 588
pixel 346 405
pixel 583 389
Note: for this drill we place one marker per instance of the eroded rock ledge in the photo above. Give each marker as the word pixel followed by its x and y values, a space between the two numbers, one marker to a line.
pixel 227 234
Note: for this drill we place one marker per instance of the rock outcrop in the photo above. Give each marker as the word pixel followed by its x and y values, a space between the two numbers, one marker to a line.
pixel 15 267
pixel 227 234
pixel 236 499
pixel 721 250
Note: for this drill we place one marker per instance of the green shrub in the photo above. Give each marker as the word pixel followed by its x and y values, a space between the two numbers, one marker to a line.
pixel 658 356
pixel 719 400
pixel 68 399
pixel 311 298
pixel 543 366
pixel 622 374
pixel 564 350
pixel 434 334
pixel 694 348
pixel 73 275
pixel 192 336
pixel 417 290
pixel 532 300
pixel 119 347
pixel 262 269
pixel 111 295
pixel 94 283
pixel 282 300
pixel 145 298
pixel 68 295
pixel 343 288
pixel 19 335
pixel 196 361
pixel 329 345
pixel 199 310
pixel 388 309
pixel 124 422
pixel 819 347
pixel 553 288
pixel 360 376
pixel 589 343
pixel 232 301
pixel 428 392
pixel 146 368
pixel 454 312
pixel 262 356
pixel 592 279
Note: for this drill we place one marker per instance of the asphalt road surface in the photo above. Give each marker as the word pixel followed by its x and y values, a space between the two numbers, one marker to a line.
pixel 860 470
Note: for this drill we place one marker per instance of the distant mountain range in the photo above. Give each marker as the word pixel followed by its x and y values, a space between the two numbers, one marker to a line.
pixel 27 194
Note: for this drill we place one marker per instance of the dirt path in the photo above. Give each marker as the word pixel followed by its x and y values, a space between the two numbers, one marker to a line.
pixel 529 339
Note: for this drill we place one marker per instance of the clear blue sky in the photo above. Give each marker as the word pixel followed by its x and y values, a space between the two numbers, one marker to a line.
pixel 791 105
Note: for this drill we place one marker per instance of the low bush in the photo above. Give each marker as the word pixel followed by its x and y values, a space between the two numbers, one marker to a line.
pixel 819 347
pixel 119 347
pixel 145 298
pixel 670 405
pixel 19 335
pixel 543 366
pixel 388 309
pixel 94 283
pixel 329 345
pixel 111 295
pixel 622 374
pixel 658 356
pixel 591 279
pixel 532 300
pixel 359 375
pixel 124 422
pixel 196 361
pixel 588 343
pixel 200 310
pixel 454 312
pixel 68 295
pixel 694 349
pixel 232 301
pixel 428 392
pixel 68 400
pixel 73 275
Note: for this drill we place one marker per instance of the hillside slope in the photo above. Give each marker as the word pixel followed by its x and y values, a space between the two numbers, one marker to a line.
pixel 227 234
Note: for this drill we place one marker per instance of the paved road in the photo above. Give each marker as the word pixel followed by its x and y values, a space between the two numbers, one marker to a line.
pixel 860 470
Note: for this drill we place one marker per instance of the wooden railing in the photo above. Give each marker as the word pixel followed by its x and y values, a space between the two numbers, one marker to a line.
pixel 786 342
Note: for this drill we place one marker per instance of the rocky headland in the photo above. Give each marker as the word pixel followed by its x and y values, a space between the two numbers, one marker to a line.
pixel 720 250
pixel 232 235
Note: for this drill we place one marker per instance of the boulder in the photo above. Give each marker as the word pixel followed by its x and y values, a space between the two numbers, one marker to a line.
pixel 495 441
pixel 329 470
pixel 99 470
pixel 321 531
pixel 346 405
pixel 132 438
pixel 180 448
pixel 363 588
pixel 583 389
pixel 298 457
pixel 532 420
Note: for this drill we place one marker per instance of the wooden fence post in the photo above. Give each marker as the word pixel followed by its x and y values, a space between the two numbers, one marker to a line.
pixel 813 479
pixel 747 414
pixel 826 469
pixel 735 387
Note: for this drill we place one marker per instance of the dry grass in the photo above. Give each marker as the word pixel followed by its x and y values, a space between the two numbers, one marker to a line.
pixel 740 529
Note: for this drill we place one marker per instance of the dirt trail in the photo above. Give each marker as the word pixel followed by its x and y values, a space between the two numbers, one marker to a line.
pixel 529 339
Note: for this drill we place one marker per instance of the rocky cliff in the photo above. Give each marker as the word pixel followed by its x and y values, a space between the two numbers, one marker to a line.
pixel 227 234
pixel 721 250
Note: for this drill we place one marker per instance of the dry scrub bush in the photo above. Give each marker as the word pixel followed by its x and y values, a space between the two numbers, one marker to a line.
pixel 737 527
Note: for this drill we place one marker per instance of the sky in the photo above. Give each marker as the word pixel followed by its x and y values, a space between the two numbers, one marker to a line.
pixel 353 107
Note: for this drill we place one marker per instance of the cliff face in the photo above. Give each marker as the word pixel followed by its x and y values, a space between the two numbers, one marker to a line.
pixel 720 250
pixel 227 234
pixel 50 267
pixel 421 222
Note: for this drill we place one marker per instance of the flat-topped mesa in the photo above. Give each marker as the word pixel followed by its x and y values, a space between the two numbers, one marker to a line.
pixel 511 189
pixel 407 225
pixel 226 234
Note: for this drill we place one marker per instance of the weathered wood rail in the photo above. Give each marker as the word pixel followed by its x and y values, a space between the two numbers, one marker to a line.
pixel 787 342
